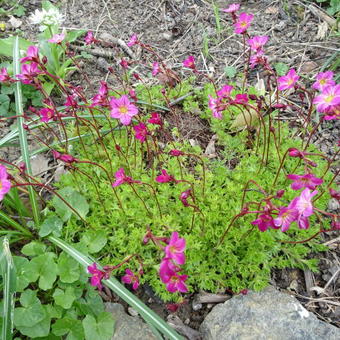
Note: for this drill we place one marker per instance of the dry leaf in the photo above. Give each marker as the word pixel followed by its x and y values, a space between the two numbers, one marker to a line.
pixel 308 67
pixel 39 164
pixel 322 30
pixel 210 150
pixel 245 118
pixel 15 22
pixel 271 10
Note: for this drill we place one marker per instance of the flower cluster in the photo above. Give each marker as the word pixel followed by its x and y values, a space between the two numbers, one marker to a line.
pixel 97 276
pixel 170 265
pixel 328 100
pixel 298 210
pixel 46 18
pixel 5 184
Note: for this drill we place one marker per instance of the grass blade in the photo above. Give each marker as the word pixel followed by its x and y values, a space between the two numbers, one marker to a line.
pixel 22 132
pixel 148 315
pixel 9 278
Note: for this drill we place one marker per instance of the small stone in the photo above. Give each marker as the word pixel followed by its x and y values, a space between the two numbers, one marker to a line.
pixel 132 312
pixel 167 36
pixel 196 306
pixel 269 314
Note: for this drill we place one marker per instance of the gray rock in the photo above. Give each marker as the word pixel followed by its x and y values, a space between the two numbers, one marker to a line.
pixel 268 315
pixel 128 327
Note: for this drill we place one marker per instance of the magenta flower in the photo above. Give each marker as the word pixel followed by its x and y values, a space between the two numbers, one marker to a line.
pixel 241 98
pixel 304 204
pixel 100 98
pixel 46 114
pixel 141 132
pixel 189 62
pixel 131 278
pixel 323 79
pixel 333 113
pixel 63 157
pixel 165 177
pixel 293 152
pixel 5 184
pixel 257 42
pixel 123 109
pixel 97 276
pixel 257 59
pixel 175 249
pixel 214 106
pixel 286 216
pixel 89 38
pixel 335 194
pixel 28 73
pixel 288 81
pixel 155 119
pixel 32 54
pixel 57 38
pixel 305 181
pixel 225 91
pixel 232 8
pixel 155 68
pixel 124 64
pixel 4 76
pixel 243 22
pixel 184 197
pixel 133 40
pixel 176 153
pixel 329 97
pixel 264 222
pixel 173 281
pixel 121 178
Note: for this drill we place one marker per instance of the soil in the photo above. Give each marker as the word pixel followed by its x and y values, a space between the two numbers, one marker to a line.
pixel 179 28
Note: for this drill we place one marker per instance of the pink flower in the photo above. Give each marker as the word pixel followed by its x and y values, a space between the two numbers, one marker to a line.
pixel 333 113
pixel 225 91
pixel 174 282
pixel 323 79
pixel 121 178
pixel 133 40
pixel 304 206
pixel 46 114
pixel 5 184
pixel 288 81
pixel 243 22
pixel 257 59
pixel 241 98
pixel 293 152
pixel 286 216
pixel 155 119
pixel 176 153
pixel 124 64
pixel 4 76
pixel 57 38
pixel 32 54
pixel 175 249
pixel 214 106
pixel 304 181
pixel 28 73
pixel 257 42
pixel 89 38
pixel 141 132
pixel 63 157
pixel 232 8
pixel 123 109
pixel 335 194
pixel 189 62
pixel 264 222
pixel 100 99
pixel 165 177
pixel 131 278
pixel 155 68
pixel 329 97
pixel 97 276
pixel 184 197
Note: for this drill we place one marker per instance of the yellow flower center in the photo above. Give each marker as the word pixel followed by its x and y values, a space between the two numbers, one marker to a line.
pixel 329 99
pixel 123 109
pixel 243 24
pixel 322 81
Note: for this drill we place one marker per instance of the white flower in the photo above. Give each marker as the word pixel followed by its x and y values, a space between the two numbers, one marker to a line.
pixel 46 18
